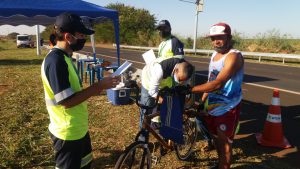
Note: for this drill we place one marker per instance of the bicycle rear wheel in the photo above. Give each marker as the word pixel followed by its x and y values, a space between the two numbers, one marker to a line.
pixel 183 151
pixel 137 155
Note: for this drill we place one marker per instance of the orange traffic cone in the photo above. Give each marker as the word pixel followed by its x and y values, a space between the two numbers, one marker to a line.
pixel 273 133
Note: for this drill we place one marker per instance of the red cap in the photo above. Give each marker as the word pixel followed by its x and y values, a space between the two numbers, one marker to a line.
pixel 219 29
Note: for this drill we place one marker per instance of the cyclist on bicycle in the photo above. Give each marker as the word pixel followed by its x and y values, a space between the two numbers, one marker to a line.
pixel 223 92
pixel 155 74
pixel 182 136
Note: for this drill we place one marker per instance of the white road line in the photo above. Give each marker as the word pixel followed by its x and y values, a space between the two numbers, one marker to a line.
pixel 113 57
pixel 121 58
pixel 200 74
pixel 270 87
pixel 199 62
pixel 262 86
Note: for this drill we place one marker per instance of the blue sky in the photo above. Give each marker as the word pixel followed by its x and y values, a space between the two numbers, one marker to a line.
pixel 246 17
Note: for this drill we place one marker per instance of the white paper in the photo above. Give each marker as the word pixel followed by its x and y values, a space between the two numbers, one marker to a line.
pixel 122 69
pixel 149 56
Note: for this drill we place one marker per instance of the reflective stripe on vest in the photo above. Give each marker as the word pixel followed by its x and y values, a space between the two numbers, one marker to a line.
pixel 65 123
pixel 86 160
pixel 167 82
pixel 50 102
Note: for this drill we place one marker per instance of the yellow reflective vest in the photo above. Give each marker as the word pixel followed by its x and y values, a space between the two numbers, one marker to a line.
pixel 66 123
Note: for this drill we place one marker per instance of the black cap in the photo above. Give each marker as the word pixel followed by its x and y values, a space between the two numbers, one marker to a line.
pixel 67 22
pixel 163 23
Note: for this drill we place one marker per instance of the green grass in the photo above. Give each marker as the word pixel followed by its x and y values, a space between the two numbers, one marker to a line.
pixel 23 117
pixel 25 142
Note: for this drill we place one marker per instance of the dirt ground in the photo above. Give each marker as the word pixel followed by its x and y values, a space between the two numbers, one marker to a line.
pixel 247 154
pixel 3 88
pixel 114 127
pixel 253 120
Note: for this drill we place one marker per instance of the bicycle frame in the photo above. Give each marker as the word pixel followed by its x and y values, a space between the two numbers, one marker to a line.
pixel 147 117
pixel 147 126
pixel 137 154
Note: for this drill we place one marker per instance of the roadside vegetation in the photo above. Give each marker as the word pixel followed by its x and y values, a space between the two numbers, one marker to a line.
pixel 137 27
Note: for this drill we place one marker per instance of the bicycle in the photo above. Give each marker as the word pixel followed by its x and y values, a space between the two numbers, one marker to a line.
pixel 198 112
pixel 138 154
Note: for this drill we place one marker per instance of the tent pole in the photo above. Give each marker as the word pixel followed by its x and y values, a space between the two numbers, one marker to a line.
pixel 116 26
pixel 38 40
pixel 93 46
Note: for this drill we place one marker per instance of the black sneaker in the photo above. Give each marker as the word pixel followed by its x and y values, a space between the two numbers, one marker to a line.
pixel 215 167
pixel 210 145
pixel 163 151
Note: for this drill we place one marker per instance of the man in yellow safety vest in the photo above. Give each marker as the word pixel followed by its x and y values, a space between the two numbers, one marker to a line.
pixel 64 96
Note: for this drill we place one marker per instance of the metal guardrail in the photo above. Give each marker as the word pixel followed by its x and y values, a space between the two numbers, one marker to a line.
pixel 208 52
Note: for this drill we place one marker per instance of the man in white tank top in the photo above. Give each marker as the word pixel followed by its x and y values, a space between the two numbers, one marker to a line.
pixel 222 93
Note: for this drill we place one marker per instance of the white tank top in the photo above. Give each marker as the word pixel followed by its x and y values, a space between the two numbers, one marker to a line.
pixel 224 99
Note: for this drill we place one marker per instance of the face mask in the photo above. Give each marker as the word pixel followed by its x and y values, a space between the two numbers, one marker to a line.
pixel 222 49
pixel 78 45
pixel 175 79
pixel 164 34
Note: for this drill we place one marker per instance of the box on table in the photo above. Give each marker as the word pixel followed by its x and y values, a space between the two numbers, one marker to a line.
pixel 119 96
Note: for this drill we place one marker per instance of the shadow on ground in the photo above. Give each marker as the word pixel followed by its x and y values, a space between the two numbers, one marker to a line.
pixel 253 79
pixel 20 62
pixel 248 154
pixel 252 121
pixel 106 161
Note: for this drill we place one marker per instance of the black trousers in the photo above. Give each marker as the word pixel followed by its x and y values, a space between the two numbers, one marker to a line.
pixel 72 154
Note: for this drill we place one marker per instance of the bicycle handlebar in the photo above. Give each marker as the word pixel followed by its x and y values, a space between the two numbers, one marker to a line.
pixel 133 84
pixel 180 90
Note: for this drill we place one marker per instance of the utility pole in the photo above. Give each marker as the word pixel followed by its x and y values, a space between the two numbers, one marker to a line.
pixel 38 40
pixel 199 8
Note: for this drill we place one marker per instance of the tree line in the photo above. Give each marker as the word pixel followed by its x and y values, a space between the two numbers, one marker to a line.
pixel 137 27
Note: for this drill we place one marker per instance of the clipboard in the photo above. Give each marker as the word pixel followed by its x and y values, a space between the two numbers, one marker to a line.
pixel 121 69
pixel 149 56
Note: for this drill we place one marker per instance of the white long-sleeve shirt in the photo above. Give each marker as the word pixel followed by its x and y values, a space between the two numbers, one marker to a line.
pixel 156 75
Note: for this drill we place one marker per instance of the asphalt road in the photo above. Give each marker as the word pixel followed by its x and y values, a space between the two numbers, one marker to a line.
pixel 256 76
pixel 259 82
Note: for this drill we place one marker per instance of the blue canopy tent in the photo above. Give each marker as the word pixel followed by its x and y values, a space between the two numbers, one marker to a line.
pixel 43 12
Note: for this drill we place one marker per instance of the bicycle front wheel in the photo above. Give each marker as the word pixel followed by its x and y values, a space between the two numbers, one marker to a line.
pixel 137 155
pixel 183 151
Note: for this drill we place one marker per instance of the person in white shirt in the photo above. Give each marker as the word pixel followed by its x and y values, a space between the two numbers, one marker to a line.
pixel 154 75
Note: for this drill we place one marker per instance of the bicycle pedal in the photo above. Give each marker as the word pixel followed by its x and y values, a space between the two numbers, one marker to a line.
pixel 171 143
pixel 155 159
